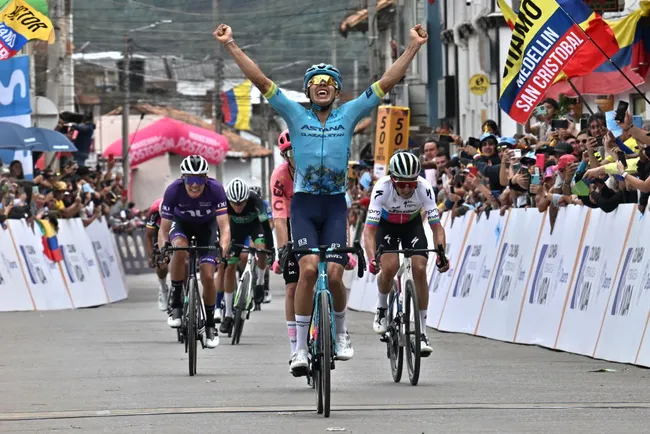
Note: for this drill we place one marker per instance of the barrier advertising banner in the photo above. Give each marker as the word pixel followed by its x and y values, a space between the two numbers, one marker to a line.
pixel 88 275
pixel 43 276
pixel 551 277
pixel 581 285
pixel 112 275
pixel 80 269
pixel 506 290
pixel 629 303
pixel 14 293
pixel 600 256
pixel 477 260
pixel 456 231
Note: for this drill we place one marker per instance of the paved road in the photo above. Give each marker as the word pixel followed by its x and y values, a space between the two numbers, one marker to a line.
pixel 118 369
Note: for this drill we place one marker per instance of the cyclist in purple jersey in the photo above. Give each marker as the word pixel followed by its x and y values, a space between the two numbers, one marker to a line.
pixel 194 205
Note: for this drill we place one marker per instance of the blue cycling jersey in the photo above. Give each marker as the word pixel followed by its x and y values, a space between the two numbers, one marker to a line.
pixel 321 153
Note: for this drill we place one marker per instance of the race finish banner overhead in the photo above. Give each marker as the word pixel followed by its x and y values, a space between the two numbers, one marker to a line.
pixel 544 40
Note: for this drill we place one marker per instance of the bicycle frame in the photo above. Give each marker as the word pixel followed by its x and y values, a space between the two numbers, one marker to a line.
pixel 322 284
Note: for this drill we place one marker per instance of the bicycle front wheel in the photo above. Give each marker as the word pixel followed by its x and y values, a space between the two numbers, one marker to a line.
pixel 241 301
pixel 325 349
pixel 395 350
pixel 192 326
pixel 411 320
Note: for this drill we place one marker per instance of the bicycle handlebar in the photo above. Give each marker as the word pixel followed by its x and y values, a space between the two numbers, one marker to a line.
pixel 252 249
pixel 410 252
pixel 324 249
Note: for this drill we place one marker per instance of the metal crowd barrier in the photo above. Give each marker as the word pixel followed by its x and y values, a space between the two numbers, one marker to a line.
pixel 132 251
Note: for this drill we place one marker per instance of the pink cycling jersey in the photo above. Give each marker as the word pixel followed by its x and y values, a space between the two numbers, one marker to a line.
pixel 281 191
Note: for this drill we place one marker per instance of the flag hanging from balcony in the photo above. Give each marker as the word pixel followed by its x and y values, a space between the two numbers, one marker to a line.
pixel 19 24
pixel 237 107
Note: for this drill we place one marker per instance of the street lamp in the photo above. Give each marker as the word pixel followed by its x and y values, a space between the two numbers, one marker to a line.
pixel 127 97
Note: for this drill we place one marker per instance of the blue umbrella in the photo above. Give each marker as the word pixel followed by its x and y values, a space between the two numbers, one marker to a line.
pixel 14 136
pixel 51 141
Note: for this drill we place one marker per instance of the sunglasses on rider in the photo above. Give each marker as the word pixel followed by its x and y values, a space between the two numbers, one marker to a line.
pixel 318 79
pixel 192 179
pixel 403 184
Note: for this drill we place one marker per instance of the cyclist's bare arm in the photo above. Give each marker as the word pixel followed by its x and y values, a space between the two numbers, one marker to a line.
pixel 281 231
pixel 224 232
pixel 398 69
pixel 163 233
pixel 223 34
pixel 369 241
pixel 149 241
pixel 439 237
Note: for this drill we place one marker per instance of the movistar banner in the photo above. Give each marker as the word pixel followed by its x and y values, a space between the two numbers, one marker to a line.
pixel 544 40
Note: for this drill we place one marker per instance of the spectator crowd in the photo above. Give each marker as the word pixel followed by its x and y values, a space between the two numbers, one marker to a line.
pixel 594 161
pixel 75 190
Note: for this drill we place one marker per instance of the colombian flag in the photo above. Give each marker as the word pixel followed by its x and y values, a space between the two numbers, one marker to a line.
pixel 589 70
pixel 19 24
pixel 633 37
pixel 50 244
pixel 237 106
pixel 544 41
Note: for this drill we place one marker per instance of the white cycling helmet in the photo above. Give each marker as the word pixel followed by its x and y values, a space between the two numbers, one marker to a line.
pixel 194 165
pixel 405 165
pixel 237 191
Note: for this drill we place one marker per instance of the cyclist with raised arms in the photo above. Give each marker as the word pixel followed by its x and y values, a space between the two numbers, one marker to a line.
pixel 151 246
pixel 394 216
pixel 248 218
pixel 321 137
pixel 194 205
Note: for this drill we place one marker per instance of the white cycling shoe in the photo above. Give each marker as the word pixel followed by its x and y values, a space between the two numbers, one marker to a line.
pixel 163 293
pixel 299 363
pixel 344 350
pixel 380 324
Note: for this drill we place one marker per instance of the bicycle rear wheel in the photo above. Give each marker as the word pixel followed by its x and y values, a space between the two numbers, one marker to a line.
pixel 192 330
pixel 395 350
pixel 411 320
pixel 325 349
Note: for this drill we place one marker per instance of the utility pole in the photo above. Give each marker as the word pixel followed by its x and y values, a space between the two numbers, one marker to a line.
pixel 67 63
pixel 55 54
pixel 126 110
pixel 218 80
pixel 333 62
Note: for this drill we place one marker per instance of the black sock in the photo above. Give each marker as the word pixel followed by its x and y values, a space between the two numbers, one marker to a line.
pixel 209 315
pixel 177 292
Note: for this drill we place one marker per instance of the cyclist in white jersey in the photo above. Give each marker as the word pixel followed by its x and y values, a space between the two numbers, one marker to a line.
pixel 394 216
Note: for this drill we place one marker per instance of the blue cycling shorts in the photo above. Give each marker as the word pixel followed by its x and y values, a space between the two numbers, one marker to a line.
pixel 318 220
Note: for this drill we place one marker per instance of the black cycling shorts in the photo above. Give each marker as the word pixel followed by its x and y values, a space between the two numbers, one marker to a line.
pixel 207 234
pixel 410 234
pixel 239 233
pixel 291 272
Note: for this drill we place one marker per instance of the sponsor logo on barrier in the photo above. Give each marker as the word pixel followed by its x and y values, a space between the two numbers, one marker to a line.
pixel 633 274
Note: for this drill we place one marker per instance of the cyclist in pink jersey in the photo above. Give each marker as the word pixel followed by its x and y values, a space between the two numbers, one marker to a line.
pixel 281 195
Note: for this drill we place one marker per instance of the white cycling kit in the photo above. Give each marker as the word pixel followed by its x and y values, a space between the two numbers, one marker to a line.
pixel 386 204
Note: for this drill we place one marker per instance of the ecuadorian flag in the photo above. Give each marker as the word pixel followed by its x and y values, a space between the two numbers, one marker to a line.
pixel 237 107
pixel 50 243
